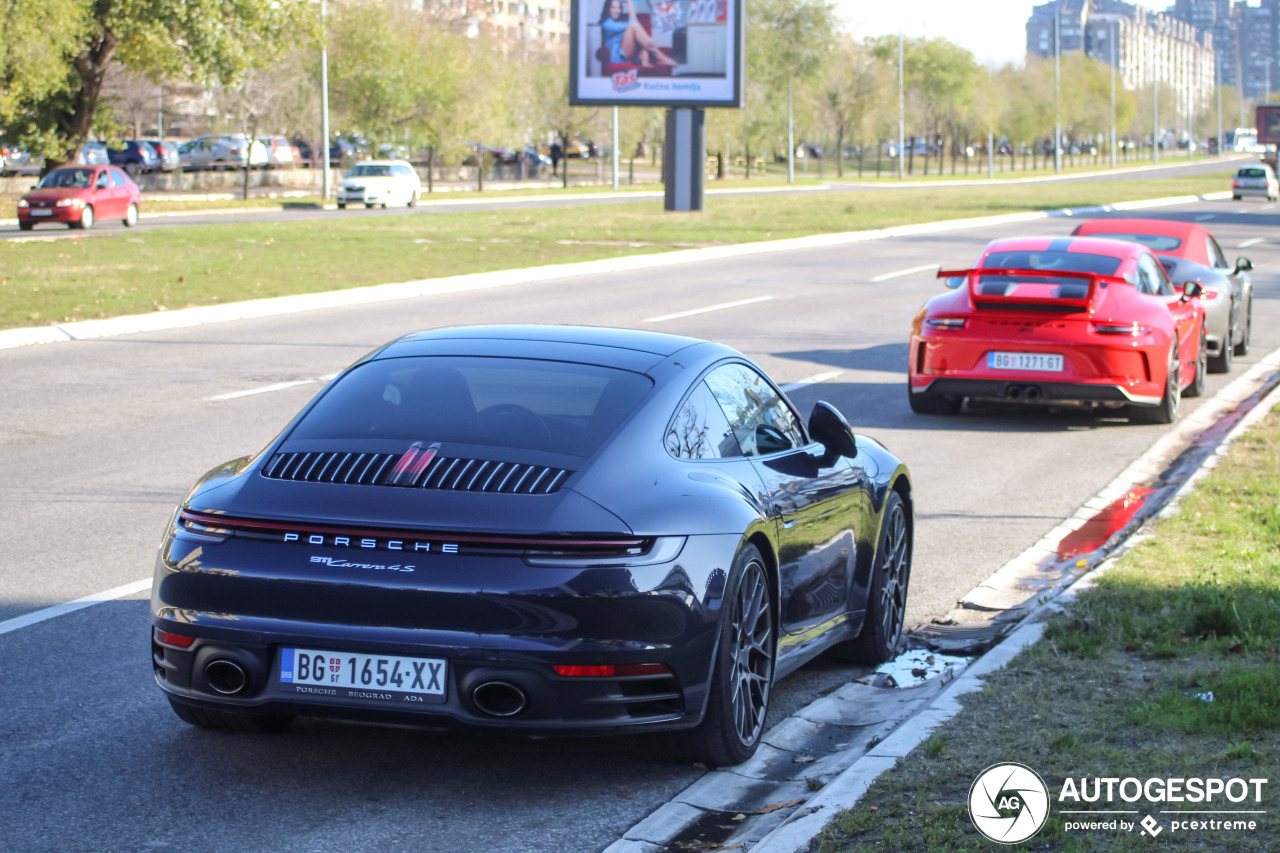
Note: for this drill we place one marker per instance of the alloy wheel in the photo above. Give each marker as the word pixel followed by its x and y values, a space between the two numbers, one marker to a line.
pixel 894 566
pixel 752 654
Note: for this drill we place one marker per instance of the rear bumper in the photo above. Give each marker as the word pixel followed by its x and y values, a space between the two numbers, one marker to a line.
pixel 1035 392
pixel 492 621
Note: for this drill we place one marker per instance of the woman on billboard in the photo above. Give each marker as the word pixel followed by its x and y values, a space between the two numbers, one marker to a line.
pixel 626 40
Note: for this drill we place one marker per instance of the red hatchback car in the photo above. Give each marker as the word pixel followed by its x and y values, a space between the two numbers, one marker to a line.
pixel 80 196
pixel 1080 321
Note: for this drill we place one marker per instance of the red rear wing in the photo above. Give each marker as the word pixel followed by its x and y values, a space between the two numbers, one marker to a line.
pixel 1032 287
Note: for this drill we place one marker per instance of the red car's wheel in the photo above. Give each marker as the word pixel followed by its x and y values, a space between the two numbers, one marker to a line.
pixel 1167 410
pixel 1196 388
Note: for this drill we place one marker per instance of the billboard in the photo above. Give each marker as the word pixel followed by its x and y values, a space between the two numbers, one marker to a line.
pixel 656 53
pixel 1269 124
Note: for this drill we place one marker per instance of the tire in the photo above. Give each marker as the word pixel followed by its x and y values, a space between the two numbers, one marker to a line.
pixel 413 199
pixel 131 216
pixel 132 168
pixel 230 721
pixel 881 633
pixel 1167 410
pixel 933 404
pixel 1235 198
pixel 26 226
pixel 742 673
pixel 341 206
pixel 86 219
pixel 1242 345
pixel 1196 388
pixel 368 206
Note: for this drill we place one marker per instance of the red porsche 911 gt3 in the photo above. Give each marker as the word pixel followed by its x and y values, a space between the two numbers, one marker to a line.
pixel 1076 321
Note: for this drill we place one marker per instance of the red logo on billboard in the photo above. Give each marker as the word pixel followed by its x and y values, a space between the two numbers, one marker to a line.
pixel 626 80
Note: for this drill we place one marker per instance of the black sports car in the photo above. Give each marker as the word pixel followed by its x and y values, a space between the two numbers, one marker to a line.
pixel 549 529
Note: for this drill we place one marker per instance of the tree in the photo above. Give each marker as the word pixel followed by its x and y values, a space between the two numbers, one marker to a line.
pixel 213 40
pixel 551 89
pixel 853 93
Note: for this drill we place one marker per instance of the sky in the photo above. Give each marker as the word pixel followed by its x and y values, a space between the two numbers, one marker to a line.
pixel 993 30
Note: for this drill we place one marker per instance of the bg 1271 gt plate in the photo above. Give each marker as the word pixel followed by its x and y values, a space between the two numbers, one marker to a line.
pixel 1024 361
pixel 349 675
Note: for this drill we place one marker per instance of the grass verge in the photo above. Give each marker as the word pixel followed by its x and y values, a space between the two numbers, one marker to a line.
pixel 112 273
pixel 1166 670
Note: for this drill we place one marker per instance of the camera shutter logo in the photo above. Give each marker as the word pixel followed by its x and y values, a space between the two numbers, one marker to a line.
pixel 1008 803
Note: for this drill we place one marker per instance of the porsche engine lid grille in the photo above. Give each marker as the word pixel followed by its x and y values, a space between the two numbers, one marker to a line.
pixel 439 472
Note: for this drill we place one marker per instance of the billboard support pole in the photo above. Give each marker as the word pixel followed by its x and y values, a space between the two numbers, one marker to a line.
pixel 683 160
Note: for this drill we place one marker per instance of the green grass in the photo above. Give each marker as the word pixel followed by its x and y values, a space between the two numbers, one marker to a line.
pixel 1120 686
pixel 103 275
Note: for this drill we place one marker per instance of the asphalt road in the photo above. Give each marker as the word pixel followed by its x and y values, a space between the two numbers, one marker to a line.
pixel 101 438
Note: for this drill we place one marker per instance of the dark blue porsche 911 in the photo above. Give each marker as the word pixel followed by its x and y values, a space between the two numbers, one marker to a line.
pixel 555 530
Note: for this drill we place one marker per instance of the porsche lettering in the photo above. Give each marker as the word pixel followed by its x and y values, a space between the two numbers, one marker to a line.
pixel 382 544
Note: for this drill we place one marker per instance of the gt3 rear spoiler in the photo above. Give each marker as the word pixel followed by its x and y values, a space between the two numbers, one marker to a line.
pixel 1048 288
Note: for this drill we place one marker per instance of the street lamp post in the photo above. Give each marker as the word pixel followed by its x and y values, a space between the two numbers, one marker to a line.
pixel 1155 119
pixel 791 142
pixel 324 105
pixel 1057 88
pixel 901 112
pixel 1114 36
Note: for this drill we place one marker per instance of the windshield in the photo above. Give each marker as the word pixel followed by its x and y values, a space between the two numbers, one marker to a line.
pixel 370 172
pixel 1154 242
pixel 1075 261
pixel 500 402
pixel 77 178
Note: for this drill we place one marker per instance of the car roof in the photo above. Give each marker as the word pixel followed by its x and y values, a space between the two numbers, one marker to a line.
pixel 1160 227
pixel 1084 245
pixel 627 349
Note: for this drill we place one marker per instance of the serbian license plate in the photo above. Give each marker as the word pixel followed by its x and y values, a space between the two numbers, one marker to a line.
pixel 348 675
pixel 41 211
pixel 1024 361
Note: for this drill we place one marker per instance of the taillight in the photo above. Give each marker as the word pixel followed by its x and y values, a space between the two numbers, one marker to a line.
pixel 945 323
pixel 1132 329
pixel 610 671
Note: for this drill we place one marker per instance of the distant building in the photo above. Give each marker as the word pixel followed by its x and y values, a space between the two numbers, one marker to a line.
pixel 1148 46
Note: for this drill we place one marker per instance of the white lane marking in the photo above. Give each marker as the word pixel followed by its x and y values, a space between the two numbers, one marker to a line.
pixel 267 389
pixel 708 309
pixel 911 271
pixel 1268 207
pixel 1204 218
pixel 812 380
pixel 72 606
pixel 1247 243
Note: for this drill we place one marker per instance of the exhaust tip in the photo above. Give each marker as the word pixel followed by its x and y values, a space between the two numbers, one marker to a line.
pixel 1033 393
pixel 226 677
pixel 499 698
pixel 1014 392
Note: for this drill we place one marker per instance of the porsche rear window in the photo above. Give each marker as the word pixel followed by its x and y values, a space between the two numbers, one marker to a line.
pixel 1047 260
pixel 1154 242
pixel 522 404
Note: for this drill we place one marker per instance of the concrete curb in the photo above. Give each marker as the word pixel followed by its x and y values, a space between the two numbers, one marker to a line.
pixel 186 317
pixel 797 833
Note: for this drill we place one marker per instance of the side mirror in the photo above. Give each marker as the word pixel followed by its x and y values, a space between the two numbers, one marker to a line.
pixel 1191 290
pixel 1243 265
pixel 829 428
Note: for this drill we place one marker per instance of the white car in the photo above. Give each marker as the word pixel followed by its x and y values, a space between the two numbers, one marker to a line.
pixel 1255 180
pixel 279 152
pixel 222 151
pixel 381 182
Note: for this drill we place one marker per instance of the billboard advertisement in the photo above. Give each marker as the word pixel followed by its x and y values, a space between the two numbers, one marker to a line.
pixel 656 53
pixel 1269 124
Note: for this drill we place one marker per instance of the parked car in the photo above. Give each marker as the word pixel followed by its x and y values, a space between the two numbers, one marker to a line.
pixel 167 151
pixel 381 182
pixel 93 154
pixel 1255 180
pixel 279 152
pixel 1077 321
pixel 340 150
pixel 302 151
pixel 79 196
pixel 564 530
pixel 135 156
pixel 222 151
pixel 1188 252
pixel 15 161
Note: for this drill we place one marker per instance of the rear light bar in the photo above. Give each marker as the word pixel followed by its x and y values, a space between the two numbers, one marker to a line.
pixel 945 323
pixel 1132 329
pixel 180 640
pixel 612 671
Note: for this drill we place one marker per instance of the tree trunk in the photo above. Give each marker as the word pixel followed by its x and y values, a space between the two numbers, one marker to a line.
pixel 840 154
pixel 91 67
pixel 431 164
pixel 564 173
pixel 748 150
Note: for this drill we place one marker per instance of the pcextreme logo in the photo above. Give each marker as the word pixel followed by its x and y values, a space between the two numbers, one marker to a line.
pixel 1008 803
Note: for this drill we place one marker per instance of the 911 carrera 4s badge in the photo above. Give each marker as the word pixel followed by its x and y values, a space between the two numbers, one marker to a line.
pixel 347 564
